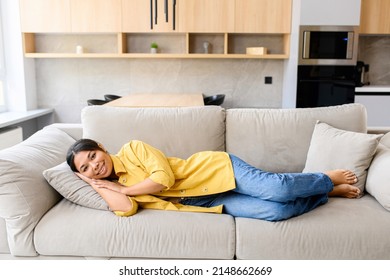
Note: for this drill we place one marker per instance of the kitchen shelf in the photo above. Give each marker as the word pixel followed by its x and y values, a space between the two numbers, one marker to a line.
pixel 171 45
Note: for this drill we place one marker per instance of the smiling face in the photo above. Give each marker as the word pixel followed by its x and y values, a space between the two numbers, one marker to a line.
pixel 94 164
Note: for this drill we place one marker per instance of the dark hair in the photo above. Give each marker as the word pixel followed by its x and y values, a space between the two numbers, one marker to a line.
pixel 80 146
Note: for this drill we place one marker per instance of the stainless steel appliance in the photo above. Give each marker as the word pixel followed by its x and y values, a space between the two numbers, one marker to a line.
pixel 327 66
pixel 328 45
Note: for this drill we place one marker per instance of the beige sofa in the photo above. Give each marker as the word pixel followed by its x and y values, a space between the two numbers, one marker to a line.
pixel 37 222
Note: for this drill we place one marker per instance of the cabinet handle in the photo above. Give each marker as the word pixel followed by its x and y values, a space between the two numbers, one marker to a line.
pixel 166 10
pixel 151 14
pixel 156 14
pixel 174 15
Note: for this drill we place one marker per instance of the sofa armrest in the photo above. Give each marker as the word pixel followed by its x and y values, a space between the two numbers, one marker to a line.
pixel 378 129
pixel 25 195
pixel 74 130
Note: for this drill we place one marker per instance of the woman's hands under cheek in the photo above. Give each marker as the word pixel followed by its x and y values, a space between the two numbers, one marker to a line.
pixel 105 184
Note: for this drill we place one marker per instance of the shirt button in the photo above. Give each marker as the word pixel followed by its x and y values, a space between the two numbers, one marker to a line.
pixel 182 191
pixel 205 189
pixel 124 180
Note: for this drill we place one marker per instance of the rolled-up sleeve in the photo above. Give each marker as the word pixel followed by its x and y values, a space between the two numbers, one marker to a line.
pixel 131 212
pixel 154 163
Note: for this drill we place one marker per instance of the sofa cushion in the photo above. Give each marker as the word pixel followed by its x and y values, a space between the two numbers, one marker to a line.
pixel 4 248
pixel 71 230
pixel 71 187
pixel 25 196
pixel 332 148
pixel 342 229
pixel 386 140
pixel 378 177
pixel 177 132
pixel 278 139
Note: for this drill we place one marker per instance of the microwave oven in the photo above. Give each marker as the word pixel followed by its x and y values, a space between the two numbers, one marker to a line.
pixel 328 45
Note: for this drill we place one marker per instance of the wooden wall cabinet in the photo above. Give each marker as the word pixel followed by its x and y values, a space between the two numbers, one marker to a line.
pixel 96 15
pixel 263 16
pixel 45 16
pixel 126 28
pixel 375 15
pixel 66 16
pixel 145 16
pixel 206 15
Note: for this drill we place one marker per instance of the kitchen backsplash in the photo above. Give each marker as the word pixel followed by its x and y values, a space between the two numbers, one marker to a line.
pixel 67 84
pixel 375 51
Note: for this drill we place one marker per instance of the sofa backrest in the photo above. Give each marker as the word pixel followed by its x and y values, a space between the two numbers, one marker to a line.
pixel 278 139
pixel 178 132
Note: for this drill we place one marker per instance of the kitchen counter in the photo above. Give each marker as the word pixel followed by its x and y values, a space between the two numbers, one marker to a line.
pixel 374 90
pixel 376 99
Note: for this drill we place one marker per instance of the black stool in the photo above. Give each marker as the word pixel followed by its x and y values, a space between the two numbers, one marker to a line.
pixel 92 102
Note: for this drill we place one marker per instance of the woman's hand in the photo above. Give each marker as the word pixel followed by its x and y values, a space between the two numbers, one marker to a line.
pixel 106 184
pixel 116 201
pixel 145 187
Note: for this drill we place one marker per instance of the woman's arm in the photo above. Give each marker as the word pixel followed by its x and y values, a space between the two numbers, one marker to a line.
pixel 145 187
pixel 117 201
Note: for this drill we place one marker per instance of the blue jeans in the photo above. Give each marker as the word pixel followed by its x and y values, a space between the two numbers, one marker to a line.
pixel 268 196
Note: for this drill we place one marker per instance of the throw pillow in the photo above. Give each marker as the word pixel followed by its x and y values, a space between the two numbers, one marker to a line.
pixel 71 187
pixel 331 148
pixel 378 177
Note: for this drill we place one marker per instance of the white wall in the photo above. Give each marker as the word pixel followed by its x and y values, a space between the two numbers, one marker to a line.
pixel 330 12
pixel 20 72
pixel 290 65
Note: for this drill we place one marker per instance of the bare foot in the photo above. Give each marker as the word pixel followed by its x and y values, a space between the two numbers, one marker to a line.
pixel 345 190
pixel 342 176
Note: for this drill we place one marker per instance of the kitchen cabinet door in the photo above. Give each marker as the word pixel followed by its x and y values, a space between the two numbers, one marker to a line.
pixel 375 16
pixel 96 15
pixel 145 16
pixel 206 15
pixel 45 16
pixel 263 16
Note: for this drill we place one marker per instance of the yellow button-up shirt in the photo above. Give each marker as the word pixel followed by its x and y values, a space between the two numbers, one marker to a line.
pixel 203 173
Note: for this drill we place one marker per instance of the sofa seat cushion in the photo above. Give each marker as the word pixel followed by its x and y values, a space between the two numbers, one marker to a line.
pixel 4 248
pixel 278 140
pixel 69 229
pixel 178 132
pixel 341 229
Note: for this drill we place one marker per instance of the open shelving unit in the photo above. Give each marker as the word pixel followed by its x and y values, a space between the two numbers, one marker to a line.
pixel 171 45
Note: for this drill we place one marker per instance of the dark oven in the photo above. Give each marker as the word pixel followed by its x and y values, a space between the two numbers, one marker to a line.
pixel 329 85
pixel 327 73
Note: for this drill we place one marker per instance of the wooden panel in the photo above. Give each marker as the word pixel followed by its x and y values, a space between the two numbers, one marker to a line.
pixel 375 17
pixel 263 16
pixel 158 100
pixel 137 16
pixel 96 15
pixel 45 16
pixel 206 15
pixel 28 42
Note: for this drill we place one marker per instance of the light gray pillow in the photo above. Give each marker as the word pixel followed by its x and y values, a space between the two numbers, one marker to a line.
pixel 71 187
pixel 25 196
pixel 332 148
pixel 378 177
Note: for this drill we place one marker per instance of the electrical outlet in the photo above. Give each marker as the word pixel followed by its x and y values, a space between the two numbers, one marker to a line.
pixel 268 80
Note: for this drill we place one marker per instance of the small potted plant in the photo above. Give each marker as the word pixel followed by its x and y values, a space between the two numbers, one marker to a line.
pixel 153 47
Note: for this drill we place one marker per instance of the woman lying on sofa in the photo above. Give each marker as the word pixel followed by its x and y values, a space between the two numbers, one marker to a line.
pixel 142 176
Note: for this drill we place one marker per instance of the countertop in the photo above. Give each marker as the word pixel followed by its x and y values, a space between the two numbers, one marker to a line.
pixel 384 89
